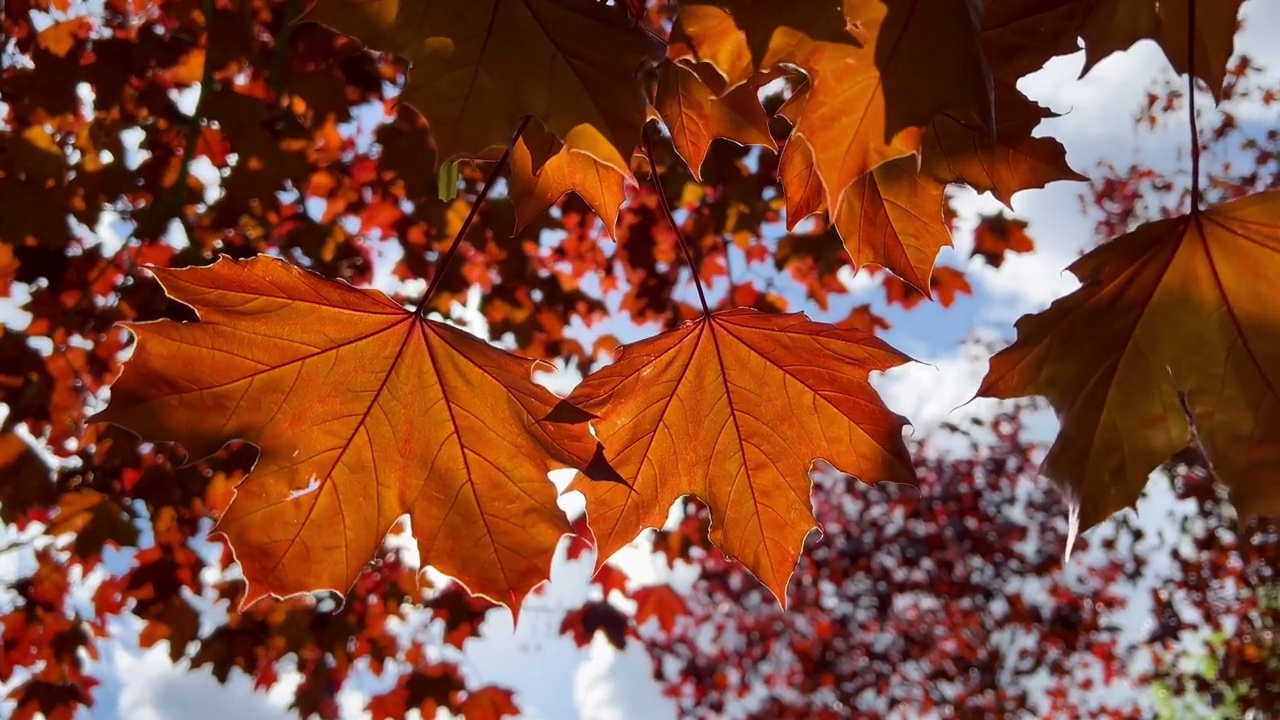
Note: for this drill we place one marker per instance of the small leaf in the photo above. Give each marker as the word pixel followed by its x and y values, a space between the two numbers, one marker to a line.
pixel 892 216
pixel 695 116
pixel 447 182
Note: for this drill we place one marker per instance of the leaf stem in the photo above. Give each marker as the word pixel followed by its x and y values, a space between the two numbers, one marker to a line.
pixel 671 219
pixel 449 254
pixel 1191 104
pixel 279 56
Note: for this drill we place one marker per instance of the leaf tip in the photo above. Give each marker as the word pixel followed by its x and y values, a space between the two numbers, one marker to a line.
pixel 599 469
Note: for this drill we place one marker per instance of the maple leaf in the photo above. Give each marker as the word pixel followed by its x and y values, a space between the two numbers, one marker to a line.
pixel 1172 339
pixel 801 185
pixel 945 282
pixel 1114 25
pixel 478 67
pixel 695 116
pixel 488 703
pixel 869 99
pixel 95 520
pixel 26 483
pixel 362 412
pixel 660 602
pixel 892 216
pixel 998 234
pixel 8 268
pixel 586 164
pixel 733 408
pixel 958 149
pixel 1020 36
pixel 597 616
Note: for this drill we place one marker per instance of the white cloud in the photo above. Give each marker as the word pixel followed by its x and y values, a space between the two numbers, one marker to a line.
pixel 613 685
pixel 152 688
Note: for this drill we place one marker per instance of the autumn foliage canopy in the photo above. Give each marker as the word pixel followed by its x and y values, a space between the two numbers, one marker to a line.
pixel 244 233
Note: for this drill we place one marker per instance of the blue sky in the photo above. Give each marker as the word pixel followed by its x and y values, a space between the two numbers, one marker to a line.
pixel 556 680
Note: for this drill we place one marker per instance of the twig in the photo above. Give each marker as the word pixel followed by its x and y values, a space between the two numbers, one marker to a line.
pixel 1191 103
pixel 443 265
pixel 671 220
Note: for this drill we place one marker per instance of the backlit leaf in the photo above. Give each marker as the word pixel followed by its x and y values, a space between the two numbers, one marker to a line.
pixel 958 149
pixel 1179 313
pixel 585 164
pixel 1115 25
pixel 892 216
pixel 873 89
pixel 997 235
pixel 362 412
pixel 695 116
pixel 734 408
pixel 478 67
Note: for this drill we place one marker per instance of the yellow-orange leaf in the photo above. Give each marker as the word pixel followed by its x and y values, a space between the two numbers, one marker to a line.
pixel 479 66
pixel 1181 313
pixel 695 116
pixel 873 84
pixel 585 164
pixel 362 412
pixel 713 32
pixel 892 216
pixel 801 186
pixel 734 408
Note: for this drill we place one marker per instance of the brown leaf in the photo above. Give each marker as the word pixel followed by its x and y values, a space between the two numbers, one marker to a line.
pixel 1173 339
pixel 1115 25
pixel 362 412
pixel 958 149
pixel 1020 36
pixel 95 520
pixel 478 67
pixel 25 480
pixel 734 408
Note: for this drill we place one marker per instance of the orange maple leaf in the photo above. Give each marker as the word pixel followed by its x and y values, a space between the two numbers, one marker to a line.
pixel 801 185
pixel 660 602
pixel 998 234
pixel 868 100
pixel 585 164
pixel 946 283
pixel 362 411
pixel 892 216
pixel 1173 339
pixel 478 67
pixel 734 407
pixel 695 116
